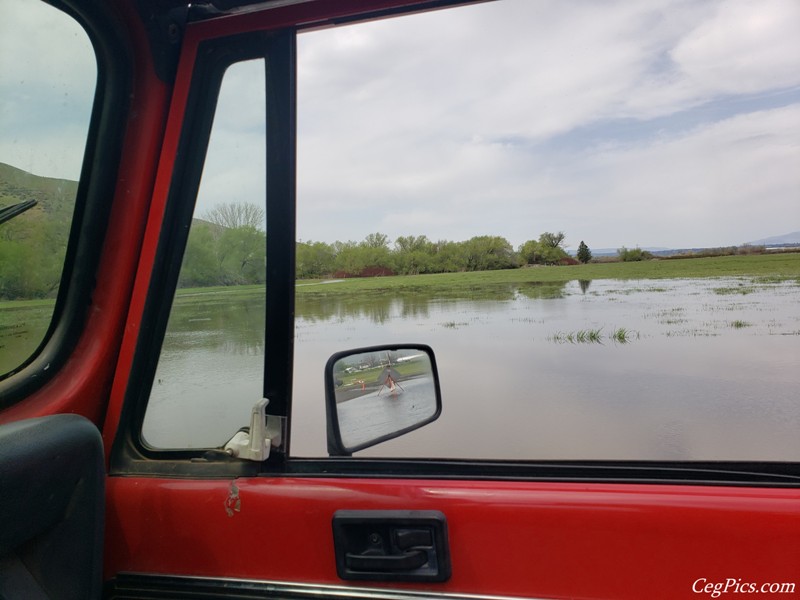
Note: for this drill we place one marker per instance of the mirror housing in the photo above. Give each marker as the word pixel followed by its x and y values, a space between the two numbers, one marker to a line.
pixel 378 393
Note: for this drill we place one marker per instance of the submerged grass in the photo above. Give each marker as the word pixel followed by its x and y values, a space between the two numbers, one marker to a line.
pixel 453 325
pixel 740 289
pixel 623 336
pixel 594 336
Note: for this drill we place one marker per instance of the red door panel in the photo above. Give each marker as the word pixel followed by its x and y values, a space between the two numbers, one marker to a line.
pixel 522 539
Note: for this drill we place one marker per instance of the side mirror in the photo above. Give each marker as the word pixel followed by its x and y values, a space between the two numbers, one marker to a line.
pixel 378 393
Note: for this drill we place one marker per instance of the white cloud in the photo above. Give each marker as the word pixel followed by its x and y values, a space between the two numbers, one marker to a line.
pixel 47 84
pixel 718 184
pixel 517 117
pixel 664 122
pixel 235 169
pixel 745 47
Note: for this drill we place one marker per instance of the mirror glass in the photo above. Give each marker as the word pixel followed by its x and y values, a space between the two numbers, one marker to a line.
pixel 381 393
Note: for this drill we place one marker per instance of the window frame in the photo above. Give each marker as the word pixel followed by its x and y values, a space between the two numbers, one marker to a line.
pixel 130 453
pixel 131 457
pixel 97 183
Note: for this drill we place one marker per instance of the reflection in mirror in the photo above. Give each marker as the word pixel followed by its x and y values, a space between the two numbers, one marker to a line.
pixel 376 394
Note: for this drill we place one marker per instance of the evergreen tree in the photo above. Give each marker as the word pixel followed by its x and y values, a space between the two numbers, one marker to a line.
pixel 584 254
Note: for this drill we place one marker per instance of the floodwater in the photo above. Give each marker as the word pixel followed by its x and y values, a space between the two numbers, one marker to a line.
pixel 697 369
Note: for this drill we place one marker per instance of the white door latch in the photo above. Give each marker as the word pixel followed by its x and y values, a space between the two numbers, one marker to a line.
pixel 254 443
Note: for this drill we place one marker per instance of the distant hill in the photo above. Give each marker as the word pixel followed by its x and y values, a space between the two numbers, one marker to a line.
pixel 613 251
pixel 33 244
pixel 56 197
pixel 786 238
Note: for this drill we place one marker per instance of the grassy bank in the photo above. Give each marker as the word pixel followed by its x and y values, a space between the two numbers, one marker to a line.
pixel 769 267
pixel 779 267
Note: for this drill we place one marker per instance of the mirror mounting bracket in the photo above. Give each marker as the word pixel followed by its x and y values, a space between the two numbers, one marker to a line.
pixel 254 442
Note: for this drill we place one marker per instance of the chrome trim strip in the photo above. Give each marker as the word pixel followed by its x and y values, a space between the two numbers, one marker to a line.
pixel 313 591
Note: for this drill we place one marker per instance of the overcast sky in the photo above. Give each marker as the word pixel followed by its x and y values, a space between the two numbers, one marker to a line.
pixel 651 123
pixel 47 83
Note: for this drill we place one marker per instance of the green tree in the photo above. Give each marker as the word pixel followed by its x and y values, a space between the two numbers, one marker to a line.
pixel 552 240
pixel 633 254
pixel 376 240
pixel 448 257
pixel 551 250
pixel 377 250
pixel 348 258
pixel 530 252
pixel 230 237
pixel 584 254
pixel 232 215
pixel 200 267
pixel 314 260
pixel 242 253
pixel 547 250
pixel 414 255
pixel 485 253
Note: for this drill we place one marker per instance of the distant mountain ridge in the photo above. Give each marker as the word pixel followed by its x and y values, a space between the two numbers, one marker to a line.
pixel 613 251
pixel 786 238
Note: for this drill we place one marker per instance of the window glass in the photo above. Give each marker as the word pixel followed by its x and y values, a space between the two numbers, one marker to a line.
pixel 47 81
pixel 589 211
pixel 210 369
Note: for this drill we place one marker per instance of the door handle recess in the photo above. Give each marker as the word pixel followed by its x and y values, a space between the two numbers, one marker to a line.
pixel 408 561
pixel 392 545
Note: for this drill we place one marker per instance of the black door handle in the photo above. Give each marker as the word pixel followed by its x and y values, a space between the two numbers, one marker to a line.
pixel 408 561
pixel 391 545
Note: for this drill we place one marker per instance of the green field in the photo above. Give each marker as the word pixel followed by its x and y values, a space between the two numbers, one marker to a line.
pixel 765 267
pixel 769 267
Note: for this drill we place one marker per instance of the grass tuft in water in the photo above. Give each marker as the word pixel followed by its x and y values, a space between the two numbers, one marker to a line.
pixel 727 291
pixel 623 336
pixel 593 336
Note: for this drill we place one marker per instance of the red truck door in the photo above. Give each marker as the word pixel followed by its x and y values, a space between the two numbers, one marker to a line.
pixel 189 516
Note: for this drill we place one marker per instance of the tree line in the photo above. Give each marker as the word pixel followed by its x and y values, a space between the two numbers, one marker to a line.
pixel 376 254
pixel 236 255
pixel 227 246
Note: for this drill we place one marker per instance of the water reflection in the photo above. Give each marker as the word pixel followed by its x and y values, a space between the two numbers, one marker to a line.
pixel 213 321
pixel 542 291
pixel 696 374
pixel 209 372
pixel 413 302
pixel 709 375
